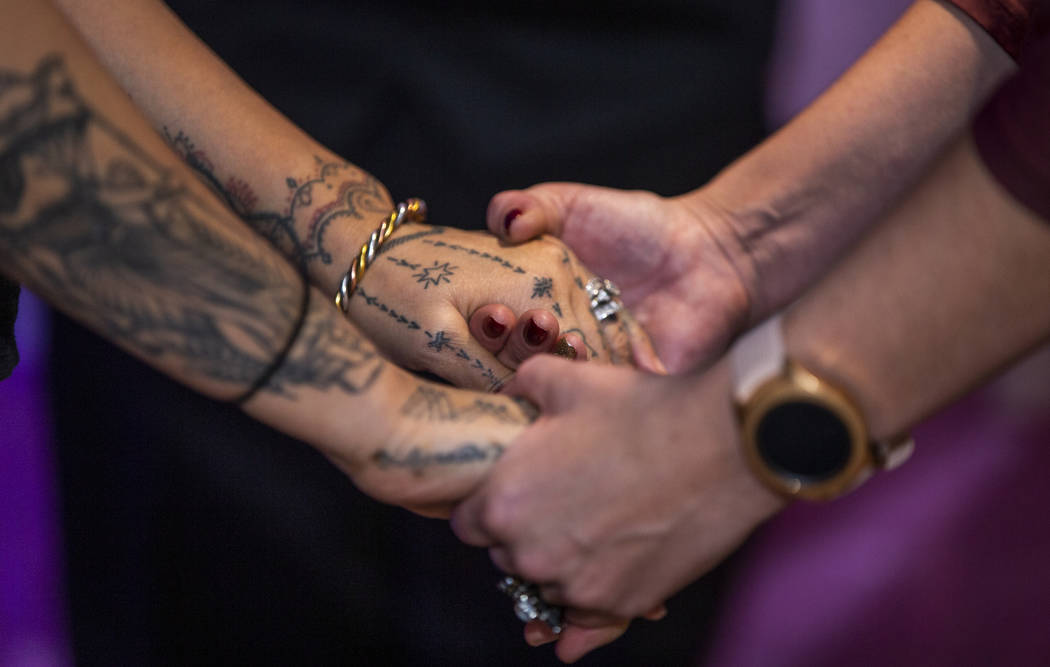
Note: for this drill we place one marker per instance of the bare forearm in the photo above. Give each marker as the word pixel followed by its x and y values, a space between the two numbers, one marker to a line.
pixel 309 202
pixel 803 196
pixel 950 289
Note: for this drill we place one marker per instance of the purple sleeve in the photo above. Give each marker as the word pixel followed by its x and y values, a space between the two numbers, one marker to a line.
pixel 1012 132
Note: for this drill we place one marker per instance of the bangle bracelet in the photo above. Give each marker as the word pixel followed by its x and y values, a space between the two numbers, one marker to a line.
pixel 278 361
pixel 413 210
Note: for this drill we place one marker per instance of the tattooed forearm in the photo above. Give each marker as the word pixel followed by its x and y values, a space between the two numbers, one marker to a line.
pixel 328 355
pixel 334 192
pixel 435 404
pixel 419 459
pixel 96 223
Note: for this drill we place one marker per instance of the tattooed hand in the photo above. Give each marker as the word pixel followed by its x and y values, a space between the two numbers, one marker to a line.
pixel 427 282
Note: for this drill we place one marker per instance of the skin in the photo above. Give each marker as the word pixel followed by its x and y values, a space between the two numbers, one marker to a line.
pixel 700 267
pixel 318 209
pixel 948 290
pixel 99 217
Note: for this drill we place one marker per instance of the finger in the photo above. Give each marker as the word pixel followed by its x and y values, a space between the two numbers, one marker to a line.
pixel 576 642
pixel 642 349
pixel 519 215
pixel 657 613
pixel 546 382
pixel 571 347
pixel 502 559
pixel 466 525
pixel 589 618
pixel 536 332
pixel 491 325
pixel 538 633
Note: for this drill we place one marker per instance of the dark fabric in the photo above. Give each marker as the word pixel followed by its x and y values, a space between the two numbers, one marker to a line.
pixel 1013 131
pixel 8 313
pixel 1009 22
pixel 198 536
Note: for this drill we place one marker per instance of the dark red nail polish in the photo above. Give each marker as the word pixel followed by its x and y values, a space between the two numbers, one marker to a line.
pixel 510 218
pixel 535 334
pixel 492 328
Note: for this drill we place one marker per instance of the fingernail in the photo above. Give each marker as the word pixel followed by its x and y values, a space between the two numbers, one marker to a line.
pixel 510 218
pixel 493 328
pixel 563 348
pixel 535 334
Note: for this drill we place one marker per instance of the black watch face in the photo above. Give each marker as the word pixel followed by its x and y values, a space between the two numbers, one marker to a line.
pixel 804 440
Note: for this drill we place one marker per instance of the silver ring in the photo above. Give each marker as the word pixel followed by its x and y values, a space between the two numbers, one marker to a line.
pixel 605 302
pixel 528 605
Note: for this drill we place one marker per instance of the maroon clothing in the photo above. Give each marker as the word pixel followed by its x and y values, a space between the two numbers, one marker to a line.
pixel 1013 131
pixel 1009 22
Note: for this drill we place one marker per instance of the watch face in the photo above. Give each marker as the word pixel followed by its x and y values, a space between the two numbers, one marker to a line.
pixel 804 440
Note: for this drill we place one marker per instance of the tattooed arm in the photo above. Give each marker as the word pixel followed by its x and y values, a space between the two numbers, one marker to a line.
pixel 102 219
pixel 318 209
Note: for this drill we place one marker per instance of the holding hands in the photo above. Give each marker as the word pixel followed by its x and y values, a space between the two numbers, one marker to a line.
pixel 682 268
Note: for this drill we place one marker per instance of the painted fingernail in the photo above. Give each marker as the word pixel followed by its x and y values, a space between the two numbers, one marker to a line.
pixel 493 328
pixel 563 348
pixel 535 334
pixel 510 218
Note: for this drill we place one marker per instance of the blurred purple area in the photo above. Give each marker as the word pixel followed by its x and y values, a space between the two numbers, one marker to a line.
pixel 941 562
pixel 32 618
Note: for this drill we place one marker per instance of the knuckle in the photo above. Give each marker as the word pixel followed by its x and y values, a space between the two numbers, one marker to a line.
pixel 498 517
pixel 536 565
pixel 584 595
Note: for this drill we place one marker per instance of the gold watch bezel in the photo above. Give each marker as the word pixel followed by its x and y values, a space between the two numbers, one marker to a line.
pixel 794 384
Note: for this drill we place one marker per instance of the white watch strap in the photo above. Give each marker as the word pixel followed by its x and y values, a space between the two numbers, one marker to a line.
pixel 757 356
pixel 760 354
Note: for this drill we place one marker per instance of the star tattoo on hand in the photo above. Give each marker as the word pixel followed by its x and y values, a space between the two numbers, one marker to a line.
pixel 435 275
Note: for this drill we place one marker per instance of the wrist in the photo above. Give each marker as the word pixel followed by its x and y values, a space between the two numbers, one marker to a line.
pixel 735 233
pixel 333 206
pixel 714 388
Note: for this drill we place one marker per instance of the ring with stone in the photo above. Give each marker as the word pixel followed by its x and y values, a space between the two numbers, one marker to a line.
pixel 605 301
pixel 528 605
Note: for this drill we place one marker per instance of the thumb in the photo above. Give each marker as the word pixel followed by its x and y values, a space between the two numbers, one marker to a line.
pixel 519 215
pixel 544 381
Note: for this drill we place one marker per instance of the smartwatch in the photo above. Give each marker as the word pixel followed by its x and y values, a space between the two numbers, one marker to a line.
pixel 803 436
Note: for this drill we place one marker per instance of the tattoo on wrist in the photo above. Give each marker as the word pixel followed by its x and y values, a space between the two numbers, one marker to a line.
pixel 435 404
pixel 334 191
pixel 418 459
pixel 105 230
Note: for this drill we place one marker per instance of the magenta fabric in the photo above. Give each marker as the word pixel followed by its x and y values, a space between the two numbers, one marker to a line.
pixel 944 561
pixel 941 562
